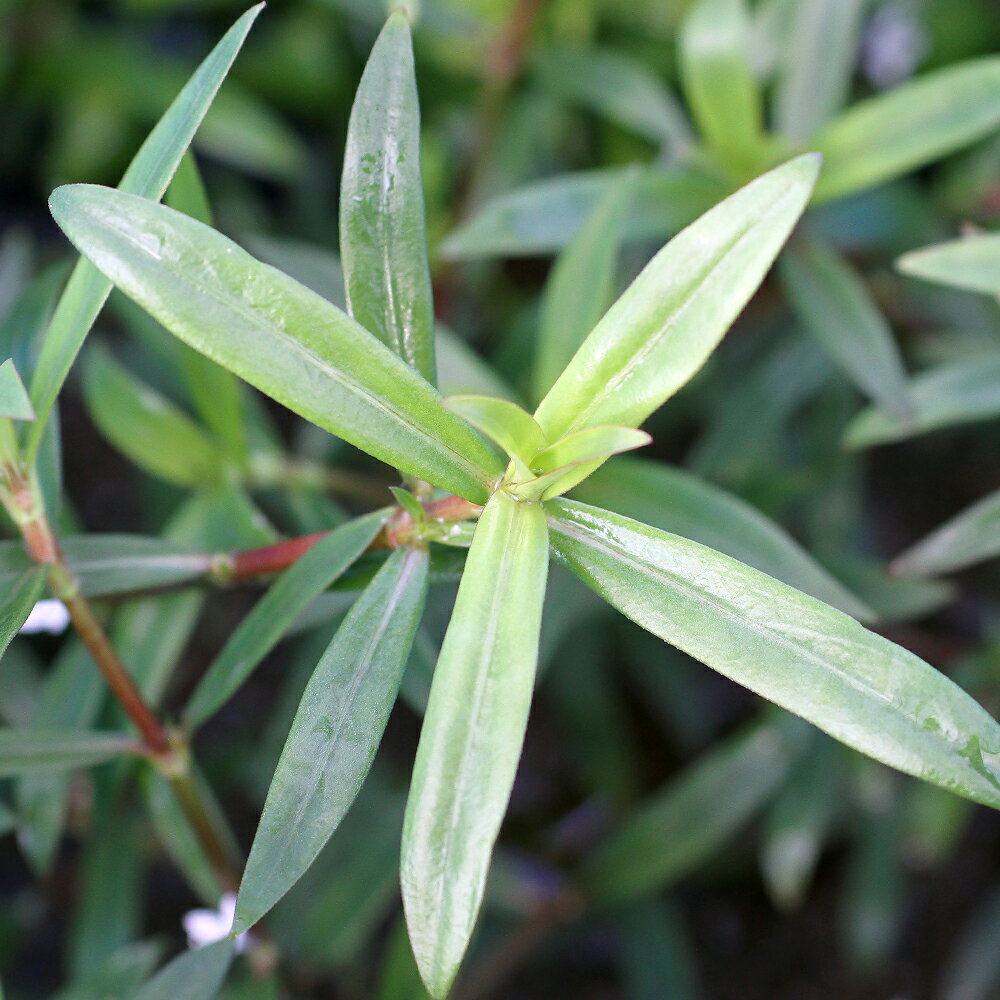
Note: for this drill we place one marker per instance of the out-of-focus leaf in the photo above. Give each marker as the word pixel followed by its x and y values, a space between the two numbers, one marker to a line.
pixel 400 978
pixel 719 81
pixel 580 287
pixel 194 975
pixel 187 191
pixel 147 175
pixel 954 393
pixel 807 657
pixel 14 401
pixel 657 959
pixel 972 263
pixel 28 751
pixel 973 968
pixel 462 372
pixel 836 308
pixel 118 977
pixel 684 504
pixel 472 735
pixel 621 89
pixel 665 325
pixel 888 135
pixel 817 64
pixel 288 597
pixel 336 732
pixel 544 216
pixel 153 432
pixel 968 538
pixel 684 824
pixel 383 238
pixel 276 334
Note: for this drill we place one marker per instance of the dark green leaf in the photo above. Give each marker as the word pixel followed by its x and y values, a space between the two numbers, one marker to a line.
pixel 20 594
pixel 194 975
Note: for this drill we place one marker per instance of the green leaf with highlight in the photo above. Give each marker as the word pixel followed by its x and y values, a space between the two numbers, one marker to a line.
pixel 972 263
pixel 383 239
pixel 14 400
pixel 472 735
pixel 503 421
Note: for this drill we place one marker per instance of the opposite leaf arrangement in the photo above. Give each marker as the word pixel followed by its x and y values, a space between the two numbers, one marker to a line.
pixel 367 376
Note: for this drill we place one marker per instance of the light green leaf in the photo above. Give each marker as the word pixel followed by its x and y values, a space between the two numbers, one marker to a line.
pixel 719 81
pixel 193 975
pixel 837 309
pixel 888 135
pixel 19 596
pixel 817 64
pixel 336 732
pixel 665 325
pixel 580 286
pixel 544 216
pixel 148 175
pixel 954 393
pixel 187 192
pixel 472 734
pixel 154 433
pixel 276 334
pixel 14 401
pixel 28 751
pixel 287 598
pixel 383 238
pixel 801 654
pixel 972 263
pixel 686 823
pixel 677 501
pixel 970 537
pixel 503 421
pixel 590 444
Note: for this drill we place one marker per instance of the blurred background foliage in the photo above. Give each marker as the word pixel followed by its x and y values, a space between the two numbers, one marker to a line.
pixel 765 860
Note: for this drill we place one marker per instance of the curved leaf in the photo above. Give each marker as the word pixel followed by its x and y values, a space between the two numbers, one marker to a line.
pixel 801 654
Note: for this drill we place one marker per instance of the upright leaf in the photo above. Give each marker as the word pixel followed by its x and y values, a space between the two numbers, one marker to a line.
pixel 580 286
pixel 836 308
pixel 14 401
pixel 383 238
pixel 719 81
pixel 148 175
pixel 665 325
pixel 803 655
pixel 888 135
pixel 193 975
pixel 276 334
pixel 288 597
pixel 472 734
pixel 336 732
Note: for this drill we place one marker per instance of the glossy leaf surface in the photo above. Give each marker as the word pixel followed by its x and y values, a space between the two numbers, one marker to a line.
pixel 274 614
pixel 665 325
pixel 885 136
pixel 383 239
pixel 147 175
pixel 801 654
pixel 472 734
pixel 336 732
pixel 276 334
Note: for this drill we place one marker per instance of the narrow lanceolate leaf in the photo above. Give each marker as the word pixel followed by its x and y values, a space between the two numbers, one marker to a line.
pixel 472 734
pixel 885 136
pixel 274 614
pixel 503 421
pixel 336 732
pixel 580 287
pixel 282 338
pixel 148 175
pixel 679 502
pixel 27 751
pixel 665 325
pixel 154 433
pixel 818 64
pixel 801 654
pixel 719 80
pixel 972 263
pixel 836 309
pixel 19 596
pixel 684 824
pixel 383 239
pixel 968 538
pixel 958 392
pixel 194 975
pixel 14 401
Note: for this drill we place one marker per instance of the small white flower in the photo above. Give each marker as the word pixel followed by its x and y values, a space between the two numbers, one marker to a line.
pixel 47 616
pixel 207 926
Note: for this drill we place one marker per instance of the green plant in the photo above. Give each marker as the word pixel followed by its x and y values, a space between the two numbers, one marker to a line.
pixel 479 472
